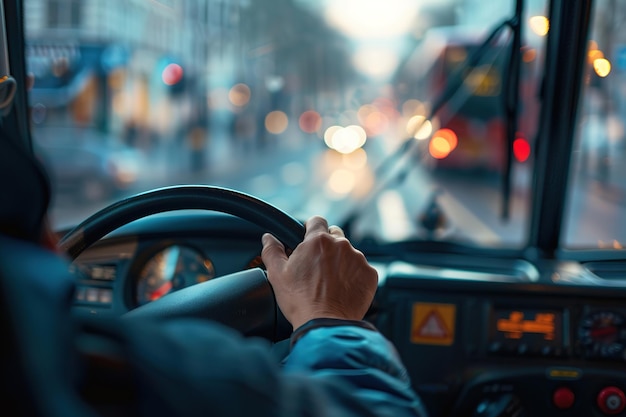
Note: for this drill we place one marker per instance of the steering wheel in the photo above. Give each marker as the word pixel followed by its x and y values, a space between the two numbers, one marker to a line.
pixel 243 300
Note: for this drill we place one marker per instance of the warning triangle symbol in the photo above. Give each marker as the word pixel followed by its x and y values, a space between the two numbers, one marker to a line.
pixel 432 327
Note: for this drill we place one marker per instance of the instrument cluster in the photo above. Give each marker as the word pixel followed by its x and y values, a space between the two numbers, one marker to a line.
pixel 602 335
pixel 170 269
pixel 114 279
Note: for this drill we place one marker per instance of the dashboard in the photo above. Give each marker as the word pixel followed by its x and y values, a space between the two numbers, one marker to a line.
pixel 540 347
pixel 480 336
pixel 152 257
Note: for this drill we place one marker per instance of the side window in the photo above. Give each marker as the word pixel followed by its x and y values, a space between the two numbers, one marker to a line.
pixel 597 191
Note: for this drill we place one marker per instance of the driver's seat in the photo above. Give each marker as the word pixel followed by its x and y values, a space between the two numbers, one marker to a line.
pixel 36 369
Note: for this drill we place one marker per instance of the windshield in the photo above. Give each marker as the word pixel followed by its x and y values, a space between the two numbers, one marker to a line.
pixel 302 103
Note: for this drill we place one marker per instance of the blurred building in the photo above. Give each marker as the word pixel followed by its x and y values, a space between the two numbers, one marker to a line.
pixel 107 64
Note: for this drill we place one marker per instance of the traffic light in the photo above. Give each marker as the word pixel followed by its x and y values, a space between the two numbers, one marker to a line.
pixel 173 77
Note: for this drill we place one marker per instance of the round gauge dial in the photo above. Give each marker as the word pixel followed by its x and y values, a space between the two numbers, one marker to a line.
pixel 602 334
pixel 171 269
pixel 257 262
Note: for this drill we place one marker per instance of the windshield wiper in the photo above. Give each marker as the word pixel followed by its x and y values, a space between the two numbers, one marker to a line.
pixel 8 86
pixel 511 101
pixel 510 97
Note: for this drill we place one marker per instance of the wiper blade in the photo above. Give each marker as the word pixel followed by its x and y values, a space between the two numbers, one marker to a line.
pixel 511 100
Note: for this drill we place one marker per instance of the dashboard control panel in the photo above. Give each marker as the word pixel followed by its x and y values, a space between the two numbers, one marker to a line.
pixel 94 284
pixel 537 332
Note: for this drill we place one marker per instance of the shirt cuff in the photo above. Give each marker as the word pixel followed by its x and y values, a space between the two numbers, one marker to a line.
pixel 327 322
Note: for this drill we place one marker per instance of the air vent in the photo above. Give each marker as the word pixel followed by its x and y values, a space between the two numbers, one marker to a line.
pixel 610 270
pixel 495 271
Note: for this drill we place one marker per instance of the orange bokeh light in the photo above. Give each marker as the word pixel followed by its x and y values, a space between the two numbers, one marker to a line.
pixel 442 143
pixel 602 67
pixel 439 147
pixel 239 95
pixel 449 136
pixel 276 122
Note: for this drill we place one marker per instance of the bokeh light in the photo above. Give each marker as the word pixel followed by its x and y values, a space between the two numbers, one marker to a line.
pixel 614 128
pixel 540 25
pixel 529 55
pixel 594 54
pixel 419 128
pixel 172 74
pixel 348 139
pixel 310 121
pixel 276 122
pixel 439 147
pixel 376 116
pixel 521 149
pixel 342 181
pixel 345 140
pixel 364 111
pixel 239 95
pixel 329 133
pixel 376 123
pixel 602 67
pixel 449 136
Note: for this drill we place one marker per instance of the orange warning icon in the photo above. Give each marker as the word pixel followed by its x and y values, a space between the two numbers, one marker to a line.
pixel 433 324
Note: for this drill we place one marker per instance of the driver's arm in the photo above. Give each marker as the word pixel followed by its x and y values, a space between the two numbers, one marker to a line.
pixel 324 289
pixel 338 365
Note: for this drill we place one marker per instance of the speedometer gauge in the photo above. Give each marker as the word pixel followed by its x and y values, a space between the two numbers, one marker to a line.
pixel 171 269
pixel 602 334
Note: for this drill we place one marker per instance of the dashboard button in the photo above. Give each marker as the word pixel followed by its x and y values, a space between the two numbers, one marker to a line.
pixel 495 347
pixel 547 351
pixel 611 400
pixel 81 294
pixel 563 398
pixel 92 295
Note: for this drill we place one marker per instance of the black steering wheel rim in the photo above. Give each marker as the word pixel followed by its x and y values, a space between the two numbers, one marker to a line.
pixel 245 301
pixel 182 197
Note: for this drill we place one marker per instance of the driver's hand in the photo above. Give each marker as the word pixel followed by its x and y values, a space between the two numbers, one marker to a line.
pixel 325 276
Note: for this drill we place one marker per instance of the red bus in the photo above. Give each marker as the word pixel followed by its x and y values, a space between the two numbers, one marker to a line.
pixel 474 115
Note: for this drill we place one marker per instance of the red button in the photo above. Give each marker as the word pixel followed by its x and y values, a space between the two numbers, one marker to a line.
pixel 611 400
pixel 563 398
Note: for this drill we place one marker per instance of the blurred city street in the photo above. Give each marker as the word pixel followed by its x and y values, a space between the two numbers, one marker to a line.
pixel 303 114
pixel 283 175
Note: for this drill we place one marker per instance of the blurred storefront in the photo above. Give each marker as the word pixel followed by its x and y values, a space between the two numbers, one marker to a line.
pixel 95 71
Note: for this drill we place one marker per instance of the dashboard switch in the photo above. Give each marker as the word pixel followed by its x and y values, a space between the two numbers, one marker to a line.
pixel 611 400
pixel 563 398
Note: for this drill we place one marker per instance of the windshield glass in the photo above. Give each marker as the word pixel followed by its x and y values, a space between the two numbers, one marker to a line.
pixel 302 103
pixel 597 194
